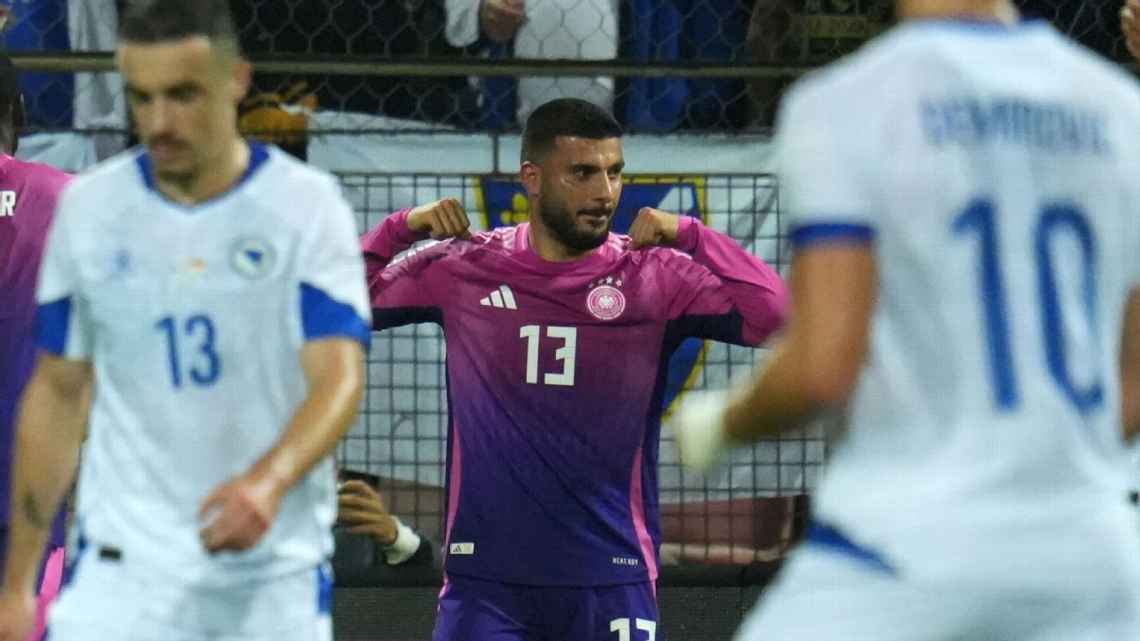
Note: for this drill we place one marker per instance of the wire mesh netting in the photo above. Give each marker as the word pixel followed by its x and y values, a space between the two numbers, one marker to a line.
pixel 741 514
pixel 433 62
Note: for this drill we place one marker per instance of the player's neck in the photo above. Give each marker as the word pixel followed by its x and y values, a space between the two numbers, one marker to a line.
pixel 224 172
pixel 548 248
pixel 1000 11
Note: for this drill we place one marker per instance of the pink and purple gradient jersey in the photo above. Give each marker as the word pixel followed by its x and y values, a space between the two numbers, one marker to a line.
pixel 28 196
pixel 556 372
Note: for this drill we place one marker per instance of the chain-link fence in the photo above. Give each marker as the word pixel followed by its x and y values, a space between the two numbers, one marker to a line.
pixel 661 65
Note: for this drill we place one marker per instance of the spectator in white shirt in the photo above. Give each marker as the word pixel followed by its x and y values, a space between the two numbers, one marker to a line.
pixel 545 30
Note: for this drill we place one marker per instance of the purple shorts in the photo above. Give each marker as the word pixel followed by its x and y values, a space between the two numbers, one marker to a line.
pixel 475 610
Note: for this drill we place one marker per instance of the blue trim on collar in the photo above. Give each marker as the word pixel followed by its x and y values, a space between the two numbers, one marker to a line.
pixel 258 155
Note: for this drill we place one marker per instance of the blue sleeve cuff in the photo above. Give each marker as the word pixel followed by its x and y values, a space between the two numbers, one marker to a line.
pixel 323 317
pixel 832 233
pixel 52 322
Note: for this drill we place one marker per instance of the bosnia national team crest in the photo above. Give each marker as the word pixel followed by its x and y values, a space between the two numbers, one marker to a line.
pixel 252 257
pixel 503 201
pixel 605 301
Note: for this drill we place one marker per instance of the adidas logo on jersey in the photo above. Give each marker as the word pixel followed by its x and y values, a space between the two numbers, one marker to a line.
pixel 501 298
pixel 461 549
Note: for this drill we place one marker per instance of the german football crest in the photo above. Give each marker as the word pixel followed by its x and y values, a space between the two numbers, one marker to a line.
pixel 605 301
pixel 252 257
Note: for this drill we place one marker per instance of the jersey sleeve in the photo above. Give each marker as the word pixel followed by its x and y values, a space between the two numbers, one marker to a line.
pixel 724 292
pixel 333 296
pixel 409 289
pixel 63 324
pixel 823 169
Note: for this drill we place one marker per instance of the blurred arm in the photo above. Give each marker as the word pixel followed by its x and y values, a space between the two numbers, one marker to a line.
pixel 1130 367
pixel 334 371
pixel 51 428
pixel 817 365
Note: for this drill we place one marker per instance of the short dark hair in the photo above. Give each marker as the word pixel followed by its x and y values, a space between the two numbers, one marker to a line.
pixel 153 21
pixel 565 117
pixel 11 105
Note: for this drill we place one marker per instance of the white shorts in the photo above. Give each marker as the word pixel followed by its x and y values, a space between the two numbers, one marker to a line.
pixel 105 601
pixel 827 593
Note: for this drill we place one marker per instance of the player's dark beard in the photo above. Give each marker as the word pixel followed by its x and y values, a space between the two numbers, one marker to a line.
pixel 563 224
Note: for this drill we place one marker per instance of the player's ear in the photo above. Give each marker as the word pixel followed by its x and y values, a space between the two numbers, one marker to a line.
pixel 242 77
pixel 531 176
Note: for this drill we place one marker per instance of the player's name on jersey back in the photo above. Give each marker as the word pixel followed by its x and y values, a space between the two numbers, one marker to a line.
pixel 1043 126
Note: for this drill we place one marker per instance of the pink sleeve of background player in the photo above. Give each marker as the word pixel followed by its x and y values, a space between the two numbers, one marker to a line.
pixel 727 294
pixel 384 241
pixel 407 290
pixel 49 591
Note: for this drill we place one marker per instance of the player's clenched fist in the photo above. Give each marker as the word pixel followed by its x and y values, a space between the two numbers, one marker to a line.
pixel 17 615
pixel 1130 26
pixel 654 227
pixel 441 219
pixel 237 514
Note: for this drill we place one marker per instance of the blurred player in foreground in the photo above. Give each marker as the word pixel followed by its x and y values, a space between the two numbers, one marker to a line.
pixel 214 291
pixel 964 283
pixel 28 196
pixel 558 337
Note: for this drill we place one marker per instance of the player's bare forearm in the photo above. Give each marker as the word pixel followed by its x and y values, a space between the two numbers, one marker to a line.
pixel 1130 406
pixel 817 366
pixel 334 370
pixel 50 430
pixel 236 515
pixel 754 287
pixel 1130 367
pixel 775 402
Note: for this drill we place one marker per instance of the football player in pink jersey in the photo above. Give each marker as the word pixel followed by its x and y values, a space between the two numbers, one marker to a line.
pixel 28 195
pixel 558 336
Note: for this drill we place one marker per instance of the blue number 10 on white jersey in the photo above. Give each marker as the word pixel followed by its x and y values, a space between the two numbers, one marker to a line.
pixel 1056 219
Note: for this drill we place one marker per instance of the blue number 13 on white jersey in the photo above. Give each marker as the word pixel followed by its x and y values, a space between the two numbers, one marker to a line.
pixel 1053 219
pixel 199 331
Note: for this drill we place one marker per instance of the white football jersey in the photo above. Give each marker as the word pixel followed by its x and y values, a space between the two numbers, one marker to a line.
pixel 995 171
pixel 194 319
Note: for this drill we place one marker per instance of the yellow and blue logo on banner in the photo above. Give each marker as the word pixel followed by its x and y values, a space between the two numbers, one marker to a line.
pixel 503 202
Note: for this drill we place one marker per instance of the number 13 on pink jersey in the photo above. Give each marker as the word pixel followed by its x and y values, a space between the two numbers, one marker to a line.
pixel 564 354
